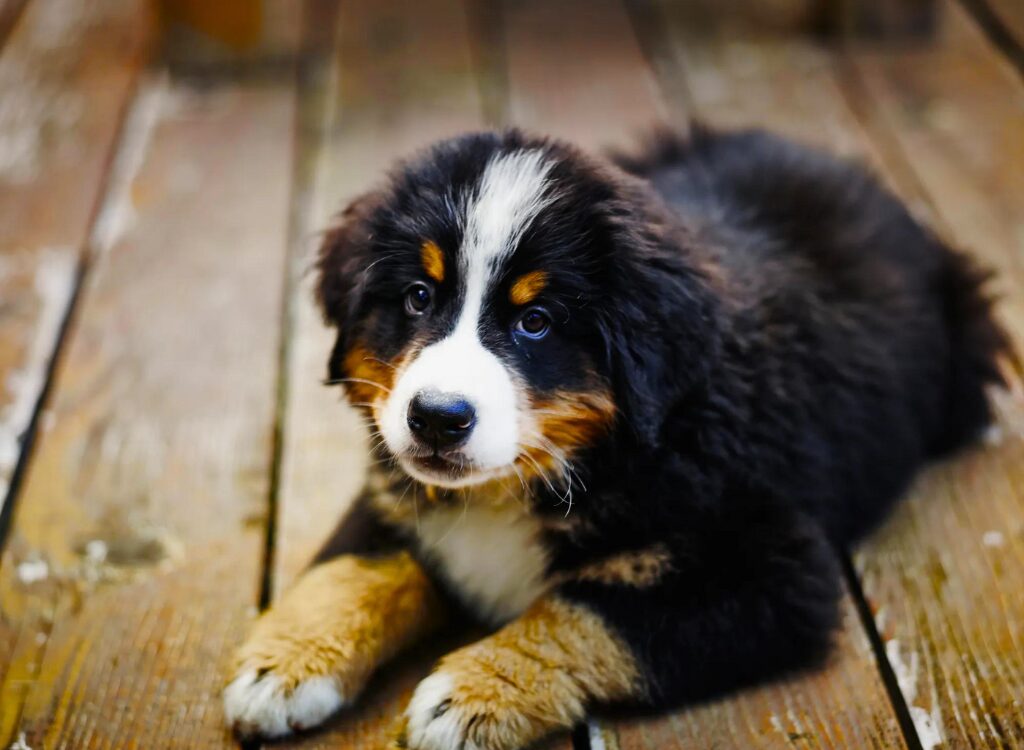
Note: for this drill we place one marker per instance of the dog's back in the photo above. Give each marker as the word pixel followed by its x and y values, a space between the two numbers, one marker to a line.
pixel 861 344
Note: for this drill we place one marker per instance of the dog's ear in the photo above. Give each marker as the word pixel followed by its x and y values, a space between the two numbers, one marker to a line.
pixel 659 332
pixel 342 263
pixel 341 268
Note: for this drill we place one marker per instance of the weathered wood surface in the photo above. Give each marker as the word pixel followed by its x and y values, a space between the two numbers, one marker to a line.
pixel 841 706
pixel 1010 14
pixel 576 71
pixel 66 72
pixel 9 12
pixel 844 706
pixel 946 575
pixel 136 543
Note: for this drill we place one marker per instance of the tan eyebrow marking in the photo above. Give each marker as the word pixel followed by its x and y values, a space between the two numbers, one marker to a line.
pixel 527 287
pixel 433 260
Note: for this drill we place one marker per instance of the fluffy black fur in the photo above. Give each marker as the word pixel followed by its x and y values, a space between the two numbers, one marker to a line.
pixel 785 346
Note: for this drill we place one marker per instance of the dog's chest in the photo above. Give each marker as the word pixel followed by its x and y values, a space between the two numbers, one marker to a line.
pixel 491 557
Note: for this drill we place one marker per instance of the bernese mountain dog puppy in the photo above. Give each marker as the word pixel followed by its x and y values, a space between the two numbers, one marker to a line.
pixel 627 412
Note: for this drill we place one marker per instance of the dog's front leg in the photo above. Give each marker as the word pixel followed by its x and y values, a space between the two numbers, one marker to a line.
pixel 534 676
pixel 363 600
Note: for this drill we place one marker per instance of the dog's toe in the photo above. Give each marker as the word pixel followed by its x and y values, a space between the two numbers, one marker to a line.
pixel 262 705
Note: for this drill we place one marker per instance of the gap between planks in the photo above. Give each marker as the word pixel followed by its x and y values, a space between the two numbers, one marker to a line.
pixel 1003 23
pixel 59 276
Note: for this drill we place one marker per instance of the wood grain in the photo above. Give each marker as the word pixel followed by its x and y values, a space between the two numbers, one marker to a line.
pixel 576 71
pixel 136 546
pixel 66 74
pixel 946 575
pixel 837 707
pixel 1010 13
pixel 846 704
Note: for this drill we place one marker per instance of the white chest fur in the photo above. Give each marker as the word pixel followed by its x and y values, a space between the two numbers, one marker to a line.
pixel 491 556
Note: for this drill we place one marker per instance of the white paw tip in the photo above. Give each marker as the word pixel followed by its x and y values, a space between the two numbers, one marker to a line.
pixel 433 723
pixel 260 706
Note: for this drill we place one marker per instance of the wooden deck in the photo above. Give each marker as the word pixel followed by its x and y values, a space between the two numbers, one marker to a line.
pixel 169 459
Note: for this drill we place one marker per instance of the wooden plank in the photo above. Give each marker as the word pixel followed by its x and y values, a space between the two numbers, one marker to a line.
pixel 603 93
pixel 841 706
pixel 136 547
pixel 402 77
pixel 946 576
pixel 1010 14
pixel 9 12
pixel 846 705
pixel 953 111
pixel 66 73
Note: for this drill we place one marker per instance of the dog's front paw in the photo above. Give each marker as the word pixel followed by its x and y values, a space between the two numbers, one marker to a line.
pixel 265 703
pixel 431 720
pixel 533 677
pixel 314 652
pixel 288 678
pixel 474 710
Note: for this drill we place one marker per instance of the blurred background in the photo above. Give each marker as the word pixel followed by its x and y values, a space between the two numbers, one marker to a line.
pixel 168 456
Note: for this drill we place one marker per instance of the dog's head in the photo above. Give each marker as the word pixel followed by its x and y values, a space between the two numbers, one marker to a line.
pixel 506 303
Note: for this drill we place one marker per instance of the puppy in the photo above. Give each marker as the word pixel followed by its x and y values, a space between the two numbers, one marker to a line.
pixel 629 412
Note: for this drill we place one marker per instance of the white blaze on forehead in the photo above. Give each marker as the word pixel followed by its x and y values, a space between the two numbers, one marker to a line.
pixel 511 192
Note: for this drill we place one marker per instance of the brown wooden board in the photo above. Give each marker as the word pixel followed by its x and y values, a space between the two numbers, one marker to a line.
pixel 1010 14
pixel 401 77
pixel 846 704
pixel 576 71
pixel 136 543
pixel 841 706
pixel 946 575
pixel 66 73
pixel 9 12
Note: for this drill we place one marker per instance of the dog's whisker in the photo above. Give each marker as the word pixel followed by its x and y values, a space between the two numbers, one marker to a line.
pixel 380 361
pixel 566 468
pixel 540 472
pixel 365 381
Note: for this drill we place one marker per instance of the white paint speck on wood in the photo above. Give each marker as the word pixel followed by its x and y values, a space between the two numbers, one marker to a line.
pixel 54 282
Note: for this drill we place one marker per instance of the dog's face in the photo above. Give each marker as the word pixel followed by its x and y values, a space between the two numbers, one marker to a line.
pixel 475 298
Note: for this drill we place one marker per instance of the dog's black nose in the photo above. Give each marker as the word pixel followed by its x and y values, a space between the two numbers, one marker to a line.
pixel 441 420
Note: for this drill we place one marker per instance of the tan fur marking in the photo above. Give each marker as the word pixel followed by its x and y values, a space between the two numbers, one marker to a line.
pixel 433 260
pixel 640 569
pixel 526 288
pixel 537 675
pixel 566 421
pixel 342 619
pixel 367 370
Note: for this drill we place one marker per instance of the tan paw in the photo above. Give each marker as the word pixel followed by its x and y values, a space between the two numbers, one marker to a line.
pixel 314 651
pixel 288 679
pixel 447 711
pixel 531 678
pixel 260 703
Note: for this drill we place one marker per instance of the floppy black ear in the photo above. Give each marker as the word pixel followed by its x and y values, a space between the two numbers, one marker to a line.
pixel 342 266
pixel 660 332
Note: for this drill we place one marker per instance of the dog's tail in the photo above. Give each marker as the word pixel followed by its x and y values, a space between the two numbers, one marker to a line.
pixel 977 346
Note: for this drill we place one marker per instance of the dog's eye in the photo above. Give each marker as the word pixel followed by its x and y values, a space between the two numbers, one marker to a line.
pixel 417 298
pixel 534 323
